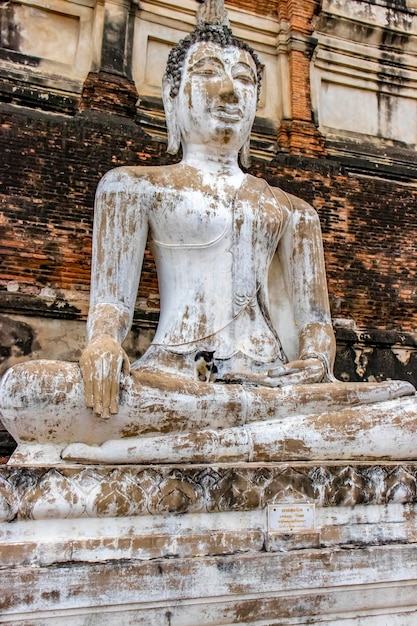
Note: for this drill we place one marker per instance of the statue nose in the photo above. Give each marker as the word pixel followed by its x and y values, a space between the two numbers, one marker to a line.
pixel 227 89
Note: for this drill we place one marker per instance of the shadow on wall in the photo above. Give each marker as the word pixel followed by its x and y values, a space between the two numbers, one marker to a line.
pixel 17 342
pixel 374 356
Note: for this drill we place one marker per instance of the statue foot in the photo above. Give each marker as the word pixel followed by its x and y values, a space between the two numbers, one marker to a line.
pixel 36 454
pixel 230 444
pixel 387 430
pixel 82 452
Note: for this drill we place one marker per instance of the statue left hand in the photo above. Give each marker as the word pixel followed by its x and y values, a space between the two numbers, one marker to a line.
pixel 294 373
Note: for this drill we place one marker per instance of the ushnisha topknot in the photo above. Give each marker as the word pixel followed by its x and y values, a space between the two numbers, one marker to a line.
pixel 211 12
pixel 212 25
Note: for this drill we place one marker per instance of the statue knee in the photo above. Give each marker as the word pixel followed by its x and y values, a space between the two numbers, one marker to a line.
pixel 12 385
pixel 39 382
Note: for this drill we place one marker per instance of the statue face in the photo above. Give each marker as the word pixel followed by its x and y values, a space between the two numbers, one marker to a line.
pixel 217 99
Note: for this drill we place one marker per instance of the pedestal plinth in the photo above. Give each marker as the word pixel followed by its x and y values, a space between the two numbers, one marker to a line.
pixel 208 545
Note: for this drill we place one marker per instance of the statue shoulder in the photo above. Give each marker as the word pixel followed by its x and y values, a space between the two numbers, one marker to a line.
pixel 131 179
pixel 297 208
pixel 293 203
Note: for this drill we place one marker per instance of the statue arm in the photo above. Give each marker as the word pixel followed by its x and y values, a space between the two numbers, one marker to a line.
pixel 302 261
pixel 298 300
pixel 119 239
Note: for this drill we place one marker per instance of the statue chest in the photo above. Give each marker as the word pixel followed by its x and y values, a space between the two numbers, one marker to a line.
pixel 193 219
pixel 189 219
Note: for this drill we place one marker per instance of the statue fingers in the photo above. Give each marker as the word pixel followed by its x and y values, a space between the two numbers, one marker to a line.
pixel 315 371
pixel 114 383
pixel 319 372
pixel 113 366
pixel 293 367
pixel 87 367
pixel 125 364
pixel 106 399
pixel 88 389
pixel 292 379
pixel 236 377
pixel 245 378
pixel 88 377
pixel 272 381
pixel 114 404
pixel 110 380
pixel 311 374
pixel 99 378
pixel 282 370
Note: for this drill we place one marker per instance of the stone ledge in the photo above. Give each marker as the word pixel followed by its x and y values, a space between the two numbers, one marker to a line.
pixel 43 542
pixel 375 586
pixel 185 545
pixel 375 337
pixel 77 491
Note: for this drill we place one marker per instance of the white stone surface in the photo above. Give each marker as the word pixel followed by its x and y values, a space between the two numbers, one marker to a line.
pixel 66 36
pixel 358 567
pixel 62 34
pixel 363 72
pixel 366 587
pixel 199 534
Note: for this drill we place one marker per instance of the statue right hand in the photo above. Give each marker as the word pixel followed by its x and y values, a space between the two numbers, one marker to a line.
pixel 102 363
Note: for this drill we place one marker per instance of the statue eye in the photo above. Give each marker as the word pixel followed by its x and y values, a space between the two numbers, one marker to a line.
pixel 207 71
pixel 244 74
pixel 206 67
pixel 244 77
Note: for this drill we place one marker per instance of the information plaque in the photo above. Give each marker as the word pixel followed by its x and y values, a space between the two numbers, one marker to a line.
pixel 291 518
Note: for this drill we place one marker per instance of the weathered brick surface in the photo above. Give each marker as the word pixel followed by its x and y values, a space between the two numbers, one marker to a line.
pixel 369 233
pixel 260 7
pixel 300 14
pixel 298 135
pixel 52 166
pixel 107 92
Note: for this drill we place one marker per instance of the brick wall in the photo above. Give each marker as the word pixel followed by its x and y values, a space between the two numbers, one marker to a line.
pixel 369 230
pixel 50 172
pixel 298 134
pixel 52 166
pixel 54 160
pixel 260 7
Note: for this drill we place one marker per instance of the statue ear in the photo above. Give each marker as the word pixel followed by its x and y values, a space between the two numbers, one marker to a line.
pixel 174 137
pixel 244 154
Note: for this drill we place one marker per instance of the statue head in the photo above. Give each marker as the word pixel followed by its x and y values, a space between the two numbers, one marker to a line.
pixel 211 51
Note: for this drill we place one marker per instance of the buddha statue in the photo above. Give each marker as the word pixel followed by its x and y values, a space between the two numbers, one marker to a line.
pixel 240 367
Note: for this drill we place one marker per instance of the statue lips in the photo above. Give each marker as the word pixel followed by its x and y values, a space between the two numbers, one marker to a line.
pixel 227 113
